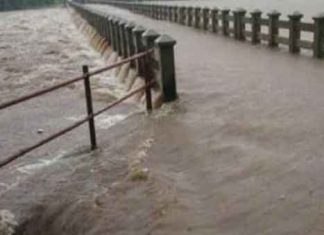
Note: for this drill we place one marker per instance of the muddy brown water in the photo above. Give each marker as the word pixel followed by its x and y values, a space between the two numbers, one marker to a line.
pixel 240 153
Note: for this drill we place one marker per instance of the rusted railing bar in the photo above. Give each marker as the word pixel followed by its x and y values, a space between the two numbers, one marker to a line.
pixel 137 56
pixel 70 128
pixel 60 85
pixel 38 93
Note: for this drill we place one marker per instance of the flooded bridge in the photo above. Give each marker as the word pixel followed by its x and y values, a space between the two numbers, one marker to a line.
pixel 240 151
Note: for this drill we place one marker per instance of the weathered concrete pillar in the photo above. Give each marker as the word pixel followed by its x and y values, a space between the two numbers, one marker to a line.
pixel 205 15
pixel 274 28
pixel 113 34
pixel 166 77
pixel 214 19
pixel 256 26
pixel 225 21
pixel 170 8
pixel 129 39
pixel 148 38
pixel 139 47
pixel 294 31
pixel 107 30
pixel 123 43
pixel 318 36
pixel 197 17
pixel 239 24
pixel 175 14
pixel 182 14
pixel 189 16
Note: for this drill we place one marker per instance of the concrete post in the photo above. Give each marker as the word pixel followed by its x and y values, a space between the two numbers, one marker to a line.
pixel 170 8
pixel 175 14
pixel 225 21
pixel 182 14
pixel 189 16
pixel 274 28
pixel 113 36
pixel 205 13
pixel 123 43
pixel 197 17
pixel 149 37
pixel 139 47
pixel 166 77
pixel 256 26
pixel 239 24
pixel 318 35
pixel 214 20
pixel 129 39
pixel 294 31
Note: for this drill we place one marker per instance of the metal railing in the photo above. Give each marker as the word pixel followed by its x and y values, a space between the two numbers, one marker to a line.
pixel 143 58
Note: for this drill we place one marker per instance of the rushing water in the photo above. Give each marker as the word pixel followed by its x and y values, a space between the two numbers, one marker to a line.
pixel 308 8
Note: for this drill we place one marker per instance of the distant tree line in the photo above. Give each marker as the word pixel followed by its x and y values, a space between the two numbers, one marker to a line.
pixel 6 5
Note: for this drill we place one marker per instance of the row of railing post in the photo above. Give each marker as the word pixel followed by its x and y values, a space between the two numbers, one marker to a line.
pixel 219 20
pixel 127 39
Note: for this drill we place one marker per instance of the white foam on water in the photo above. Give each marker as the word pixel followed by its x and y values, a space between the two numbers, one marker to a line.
pixel 7 222
pixel 32 168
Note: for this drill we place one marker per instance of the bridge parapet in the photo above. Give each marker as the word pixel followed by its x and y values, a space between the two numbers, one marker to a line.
pixel 242 25
pixel 127 39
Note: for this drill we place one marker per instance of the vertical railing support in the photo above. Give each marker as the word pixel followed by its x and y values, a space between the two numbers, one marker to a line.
pixel 225 21
pixel 87 88
pixel 129 40
pixel 256 26
pixel 205 13
pixel 197 17
pixel 149 36
pixel 189 16
pixel 294 31
pixel 274 28
pixel 139 47
pixel 214 19
pixel 239 24
pixel 166 77
pixel 318 36
pixel 123 43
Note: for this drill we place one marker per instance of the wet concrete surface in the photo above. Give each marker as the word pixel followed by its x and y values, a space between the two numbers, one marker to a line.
pixel 239 153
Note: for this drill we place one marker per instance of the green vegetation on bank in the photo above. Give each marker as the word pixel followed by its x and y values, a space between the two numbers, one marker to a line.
pixel 6 5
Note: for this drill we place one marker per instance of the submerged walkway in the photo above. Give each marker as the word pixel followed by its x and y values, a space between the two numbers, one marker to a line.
pixel 243 148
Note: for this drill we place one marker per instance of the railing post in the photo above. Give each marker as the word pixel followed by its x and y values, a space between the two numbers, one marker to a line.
pixel 274 28
pixel 118 44
pixel 189 16
pixel 182 14
pixel 205 13
pixel 294 31
pixel 129 40
pixel 318 35
pixel 225 21
pixel 170 8
pixel 87 88
pixel 166 78
pixel 113 38
pixel 214 20
pixel 175 12
pixel 149 36
pixel 239 24
pixel 107 30
pixel 139 47
pixel 197 17
pixel 256 26
pixel 123 43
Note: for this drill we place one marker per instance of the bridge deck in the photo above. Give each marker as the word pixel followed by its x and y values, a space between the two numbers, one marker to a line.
pixel 244 145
